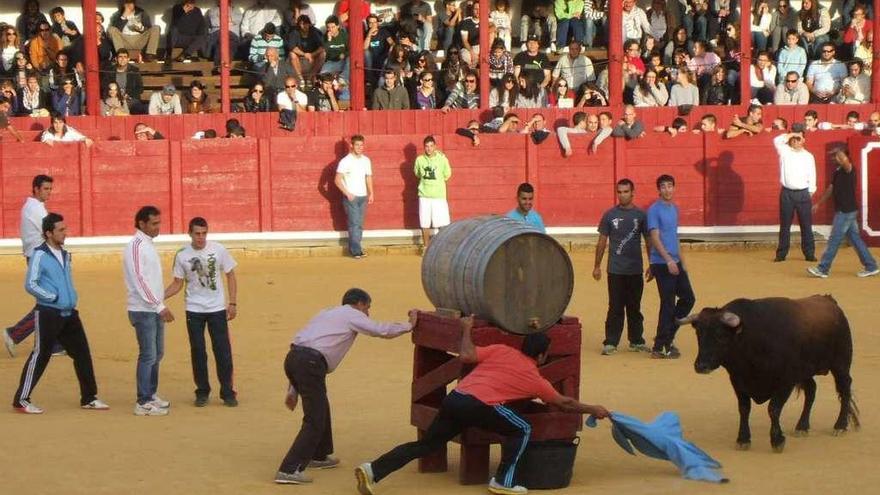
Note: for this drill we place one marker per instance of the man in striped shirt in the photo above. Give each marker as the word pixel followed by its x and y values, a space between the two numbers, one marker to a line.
pixel 146 311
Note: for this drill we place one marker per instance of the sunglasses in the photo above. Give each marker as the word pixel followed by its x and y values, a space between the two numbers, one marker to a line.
pixel 470 80
pixel 68 83
pixel 260 90
pixel 44 30
pixel 791 80
pixel 287 86
pixel 428 79
pixel 827 51
pixel 10 33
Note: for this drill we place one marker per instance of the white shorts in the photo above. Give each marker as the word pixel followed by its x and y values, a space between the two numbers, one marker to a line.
pixel 433 212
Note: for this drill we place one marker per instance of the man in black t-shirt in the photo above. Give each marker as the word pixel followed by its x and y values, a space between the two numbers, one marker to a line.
pixel 622 228
pixel 533 64
pixel 377 43
pixel 845 224
pixel 306 46
pixel 323 97
pixel 469 33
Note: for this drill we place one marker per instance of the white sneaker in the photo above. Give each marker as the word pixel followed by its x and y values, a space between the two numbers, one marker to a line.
pixel 816 272
pixel 365 481
pixel 499 489
pixel 160 402
pixel 868 273
pixel 439 54
pixel 523 47
pixel 27 408
pixel 149 409
pixel 96 405
pixel 10 345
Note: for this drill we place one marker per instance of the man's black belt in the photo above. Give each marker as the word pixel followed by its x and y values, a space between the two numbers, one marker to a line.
pixel 308 350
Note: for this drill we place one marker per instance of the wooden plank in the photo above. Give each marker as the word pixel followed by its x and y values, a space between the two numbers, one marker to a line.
pixel 436 379
pixel 473 468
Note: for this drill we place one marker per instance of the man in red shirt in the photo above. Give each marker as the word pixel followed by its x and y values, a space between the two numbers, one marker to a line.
pixel 502 374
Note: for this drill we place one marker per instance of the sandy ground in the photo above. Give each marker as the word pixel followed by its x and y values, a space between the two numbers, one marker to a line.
pixel 220 450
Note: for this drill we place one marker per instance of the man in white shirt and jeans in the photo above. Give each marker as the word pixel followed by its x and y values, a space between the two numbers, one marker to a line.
pixel 202 264
pixel 797 174
pixel 146 311
pixel 354 177
pixel 32 214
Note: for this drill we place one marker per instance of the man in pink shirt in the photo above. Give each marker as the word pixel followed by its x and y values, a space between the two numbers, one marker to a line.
pixel 503 374
pixel 316 351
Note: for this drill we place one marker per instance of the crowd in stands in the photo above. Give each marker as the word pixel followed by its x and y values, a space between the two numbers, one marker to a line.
pixel 424 55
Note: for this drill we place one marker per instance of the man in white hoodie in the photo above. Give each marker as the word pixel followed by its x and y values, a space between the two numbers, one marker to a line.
pixel 146 312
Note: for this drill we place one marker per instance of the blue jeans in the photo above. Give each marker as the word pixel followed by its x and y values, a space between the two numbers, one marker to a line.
pixel 564 26
pixel 355 212
pixel 150 330
pixel 337 67
pixel 218 329
pixel 592 27
pixel 846 225
pixel 759 41
pixel 445 37
pixel 814 47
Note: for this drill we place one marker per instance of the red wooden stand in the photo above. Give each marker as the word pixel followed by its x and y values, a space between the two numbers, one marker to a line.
pixel 435 337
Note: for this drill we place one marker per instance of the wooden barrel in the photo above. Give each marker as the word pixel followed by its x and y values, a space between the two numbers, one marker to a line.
pixel 499 269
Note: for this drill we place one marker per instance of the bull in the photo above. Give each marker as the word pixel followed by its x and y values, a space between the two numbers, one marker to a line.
pixel 769 347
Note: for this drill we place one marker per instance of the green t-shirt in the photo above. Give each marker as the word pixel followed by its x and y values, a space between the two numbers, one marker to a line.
pixel 433 172
pixel 337 48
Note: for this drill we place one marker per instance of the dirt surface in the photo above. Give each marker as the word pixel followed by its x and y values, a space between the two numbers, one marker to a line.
pixel 220 450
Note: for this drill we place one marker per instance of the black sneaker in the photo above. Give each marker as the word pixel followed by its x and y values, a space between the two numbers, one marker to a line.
pixel 232 402
pixel 672 352
pixel 201 401
pixel 811 258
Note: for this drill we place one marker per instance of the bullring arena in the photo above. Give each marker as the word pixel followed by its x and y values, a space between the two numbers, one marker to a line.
pixel 222 450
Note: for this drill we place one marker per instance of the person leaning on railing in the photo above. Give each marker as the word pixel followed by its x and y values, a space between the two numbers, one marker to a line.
pixel 113 103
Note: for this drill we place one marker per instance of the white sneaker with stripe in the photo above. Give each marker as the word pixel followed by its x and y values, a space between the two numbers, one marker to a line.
pixel 27 408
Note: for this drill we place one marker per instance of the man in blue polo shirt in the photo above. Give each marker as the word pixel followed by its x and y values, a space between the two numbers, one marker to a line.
pixel 667 266
pixel 525 198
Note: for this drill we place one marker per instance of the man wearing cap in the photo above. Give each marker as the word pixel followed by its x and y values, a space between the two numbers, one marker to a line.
pixel 268 38
pixel 533 64
pixel 502 374
pixel 165 102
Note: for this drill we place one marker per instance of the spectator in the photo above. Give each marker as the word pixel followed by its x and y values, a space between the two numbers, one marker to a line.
pixel 206 134
pixel 425 95
pixel 465 95
pixel 377 44
pixel 569 21
pixel 859 28
pixel 469 31
pixel 779 124
pixel 783 20
pixel 143 132
pixel 67 32
pixel 399 61
pixel 848 8
pixel 595 18
pixel 212 29
pixel 392 95
pixel 433 171
pixel 561 95
pixel 472 132
pixel 335 43
pixel 592 96
pixel 708 124
pixel 865 53
pixel 649 92
pixel 132 29
pixel 703 61
pixel 259 44
pixel 32 100
pixel 113 103
pixel 62 70
pixel 234 129
pixel 629 126
pixel 538 20
pixel 295 9
pixel 165 102
pixel 67 100
pixel 447 24
pixel 874 121
pixel 105 47
pixel 792 57
pixel 763 79
pixel 504 95
pixel 354 178
pixel 606 127
pixel 9 99
pixel 536 128
pixel 811 121
pixel 28 23
pixel 275 72
pixel 761 21
pixel 502 123
pixel 718 90
pixel 814 25
pixel 418 16
pixel 255 18
pixel 679 41
pixel 21 70
pixel 633 65
pixel 10 45
pixel 678 126
pixel 750 126
pixel 579 120
pixel 323 97
pixel 530 94
pixel 453 70
pixel 533 64
pixel 187 30
pixel 196 99
pixel 43 48
pixel 825 75
pixel 6 106
pixel 307 49
pixel 574 66
pixel 60 132
pixel 500 63
pixel 684 91
pixel 128 77
pixel 856 88
pixel 792 91
pixel 657 19
pixel 500 18
pixel 257 100
pixel 635 21
pixel 290 102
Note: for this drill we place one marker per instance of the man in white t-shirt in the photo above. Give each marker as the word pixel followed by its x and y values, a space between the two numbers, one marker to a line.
pixel 202 264
pixel 354 177
pixel 32 214
pixel 290 102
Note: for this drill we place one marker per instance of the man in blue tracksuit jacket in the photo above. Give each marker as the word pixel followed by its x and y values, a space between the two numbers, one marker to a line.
pixel 49 281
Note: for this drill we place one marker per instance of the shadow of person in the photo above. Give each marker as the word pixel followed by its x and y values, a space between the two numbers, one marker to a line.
pixel 725 190
pixel 410 192
pixel 332 195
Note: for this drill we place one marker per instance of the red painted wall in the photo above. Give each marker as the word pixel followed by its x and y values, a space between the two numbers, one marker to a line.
pixel 284 182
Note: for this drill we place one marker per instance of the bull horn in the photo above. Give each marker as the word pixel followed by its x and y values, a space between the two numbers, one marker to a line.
pixel 687 320
pixel 730 319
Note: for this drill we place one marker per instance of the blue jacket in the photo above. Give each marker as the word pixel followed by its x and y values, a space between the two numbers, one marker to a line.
pixel 49 282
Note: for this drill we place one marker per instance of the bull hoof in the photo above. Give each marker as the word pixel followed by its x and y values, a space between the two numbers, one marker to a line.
pixel 779 448
pixel 838 433
pixel 801 433
pixel 743 445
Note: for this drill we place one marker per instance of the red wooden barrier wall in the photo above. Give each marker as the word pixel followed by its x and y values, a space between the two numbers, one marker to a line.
pixel 286 183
